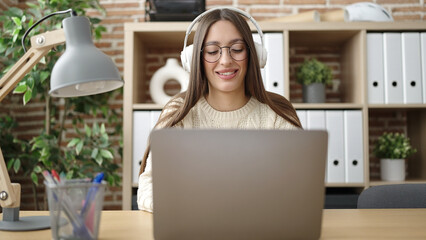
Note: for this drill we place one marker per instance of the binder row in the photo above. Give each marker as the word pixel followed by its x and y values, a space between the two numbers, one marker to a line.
pixel 396 67
pixel 345 159
pixel 143 123
pixel 273 72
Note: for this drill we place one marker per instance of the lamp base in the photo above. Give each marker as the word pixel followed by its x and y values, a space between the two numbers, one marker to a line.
pixel 12 222
pixel 26 224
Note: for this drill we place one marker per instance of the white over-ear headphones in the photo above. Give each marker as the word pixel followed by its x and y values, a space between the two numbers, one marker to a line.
pixel 186 54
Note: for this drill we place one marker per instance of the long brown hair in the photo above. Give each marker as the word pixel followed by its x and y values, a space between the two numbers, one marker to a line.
pixel 198 83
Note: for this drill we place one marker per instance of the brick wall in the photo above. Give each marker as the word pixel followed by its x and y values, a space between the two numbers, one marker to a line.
pixel 118 12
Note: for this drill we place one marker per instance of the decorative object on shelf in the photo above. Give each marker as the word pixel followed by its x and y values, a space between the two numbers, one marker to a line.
pixel 308 16
pixel 171 71
pixel 313 75
pixel 393 149
pixel 337 15
pixel 173 10
pixel 367 11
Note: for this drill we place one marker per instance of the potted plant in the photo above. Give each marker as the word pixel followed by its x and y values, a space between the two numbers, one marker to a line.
pixel 88 148
pixel 393 149
pixel 313 75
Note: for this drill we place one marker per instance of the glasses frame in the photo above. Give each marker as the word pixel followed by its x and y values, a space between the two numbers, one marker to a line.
pixel 229 51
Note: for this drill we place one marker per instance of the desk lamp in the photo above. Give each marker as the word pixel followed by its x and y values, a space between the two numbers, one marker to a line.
pixel 82 70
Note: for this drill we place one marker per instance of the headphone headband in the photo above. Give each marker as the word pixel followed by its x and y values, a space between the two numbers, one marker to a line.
pixel 262 57
pixel 198 18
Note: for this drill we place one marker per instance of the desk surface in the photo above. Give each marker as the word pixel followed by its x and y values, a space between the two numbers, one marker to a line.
pixel 337 224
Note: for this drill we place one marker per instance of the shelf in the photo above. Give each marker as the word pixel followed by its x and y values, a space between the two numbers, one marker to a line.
pixel 344 185
pixel 399 106
pixel 147 106
pixel 342 45
pixel 327 106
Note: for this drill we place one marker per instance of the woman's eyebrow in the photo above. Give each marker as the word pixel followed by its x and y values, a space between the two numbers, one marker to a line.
pixel 218 43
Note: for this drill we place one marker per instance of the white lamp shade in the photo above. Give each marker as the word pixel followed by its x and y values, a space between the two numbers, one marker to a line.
pixel 83 69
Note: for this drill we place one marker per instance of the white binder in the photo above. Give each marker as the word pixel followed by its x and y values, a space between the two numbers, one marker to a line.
pixel 155 114
pixel 393 67
pixel 274 68
pixel 336 155
pixel 411 67
pixel 315 119
pixel 423 63
pixel 302 117
pixel 256 38
pixel 375 69
pixel 354 153
pixel 141 130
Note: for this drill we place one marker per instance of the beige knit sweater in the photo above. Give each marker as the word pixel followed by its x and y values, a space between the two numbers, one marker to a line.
pixel 253 115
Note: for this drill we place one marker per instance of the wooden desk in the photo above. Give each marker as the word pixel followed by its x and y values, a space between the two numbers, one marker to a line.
pixel 337 224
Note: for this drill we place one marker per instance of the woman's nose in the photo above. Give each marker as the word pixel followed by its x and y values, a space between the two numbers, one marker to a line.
pixel 226 57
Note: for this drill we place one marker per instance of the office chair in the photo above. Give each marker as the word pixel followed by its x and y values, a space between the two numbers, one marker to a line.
pixel 393 196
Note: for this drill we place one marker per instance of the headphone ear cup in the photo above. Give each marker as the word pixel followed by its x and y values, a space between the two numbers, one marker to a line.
pixel 186 57
pixel 261 54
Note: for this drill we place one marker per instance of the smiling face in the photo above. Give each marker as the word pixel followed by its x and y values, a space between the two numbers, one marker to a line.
pixel 225 75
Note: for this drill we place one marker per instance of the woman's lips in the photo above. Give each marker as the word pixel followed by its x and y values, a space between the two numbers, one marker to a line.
pixel 226 75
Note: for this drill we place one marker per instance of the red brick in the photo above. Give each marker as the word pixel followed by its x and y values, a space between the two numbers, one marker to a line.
pixel 116 21
pixel 416 17
pixel 409 9
pixel 303 2
pixel 380 2
pixel 271 10
pixel 252 2
pixel 103 45
pixel 346 2
pixel 118 29
pixel 122 5
pixel 112 36
pixel 113 52
pixel 125 13
pixel 218 2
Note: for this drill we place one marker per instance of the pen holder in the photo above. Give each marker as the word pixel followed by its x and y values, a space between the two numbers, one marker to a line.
pixel 75 208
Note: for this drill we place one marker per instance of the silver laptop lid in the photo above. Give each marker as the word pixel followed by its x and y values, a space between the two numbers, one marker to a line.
pixel 238 184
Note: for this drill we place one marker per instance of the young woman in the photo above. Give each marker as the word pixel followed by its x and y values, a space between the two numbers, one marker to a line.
pixel 225 89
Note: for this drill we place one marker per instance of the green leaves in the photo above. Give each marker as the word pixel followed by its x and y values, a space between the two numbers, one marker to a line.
pixel 17 165
pixel 89 151
pixel 313 71
pixel 16 21
pixel 92 151
pixel 20 89
pixel 393 146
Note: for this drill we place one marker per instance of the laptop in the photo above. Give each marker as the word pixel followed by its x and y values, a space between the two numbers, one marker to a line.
pixel 238 184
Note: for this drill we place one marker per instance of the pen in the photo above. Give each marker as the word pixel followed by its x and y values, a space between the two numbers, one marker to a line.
pixel 56 176
pixel 92 193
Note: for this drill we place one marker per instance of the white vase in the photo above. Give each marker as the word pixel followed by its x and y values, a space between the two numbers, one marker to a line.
pixel 171 71
pixel 392 169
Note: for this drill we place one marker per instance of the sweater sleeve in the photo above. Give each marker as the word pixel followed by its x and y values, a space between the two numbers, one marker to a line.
pixel 144 196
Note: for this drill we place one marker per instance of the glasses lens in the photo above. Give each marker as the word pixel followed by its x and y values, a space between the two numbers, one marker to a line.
pixel 238 51
pixel 211 53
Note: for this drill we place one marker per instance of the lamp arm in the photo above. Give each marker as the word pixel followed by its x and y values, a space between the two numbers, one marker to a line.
pixel 40 45
pixel 10 193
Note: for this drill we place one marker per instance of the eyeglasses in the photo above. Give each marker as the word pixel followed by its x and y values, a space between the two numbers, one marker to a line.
pixel 237 51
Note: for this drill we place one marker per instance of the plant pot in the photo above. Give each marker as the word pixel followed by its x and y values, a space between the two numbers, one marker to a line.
pixel 392 169
pixel 314 93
